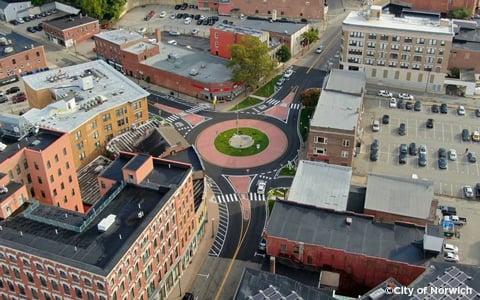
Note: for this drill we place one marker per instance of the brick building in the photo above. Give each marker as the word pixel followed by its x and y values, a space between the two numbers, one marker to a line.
pixel 390 199
pixel 443 6
pixel 92 102
pixel 71 30
pixel 222 36
pixel 397 51
pixel 180 69
pixel 363 252
pixel 334 126
pixel 133 244
pixel 37 166
pixel 275 9
pixel 21 56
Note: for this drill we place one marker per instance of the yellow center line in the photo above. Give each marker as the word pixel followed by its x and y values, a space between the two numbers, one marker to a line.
pixel 329 45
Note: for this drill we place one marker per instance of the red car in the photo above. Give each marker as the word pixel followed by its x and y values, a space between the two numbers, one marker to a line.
pixel 20 97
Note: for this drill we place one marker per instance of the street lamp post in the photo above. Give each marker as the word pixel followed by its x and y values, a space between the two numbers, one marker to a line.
pixel 213 220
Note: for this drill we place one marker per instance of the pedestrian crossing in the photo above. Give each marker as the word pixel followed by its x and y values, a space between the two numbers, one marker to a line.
pixel 272 101
pixel 172 118
pixel 295 106
pixel 196 109
pixel 226 198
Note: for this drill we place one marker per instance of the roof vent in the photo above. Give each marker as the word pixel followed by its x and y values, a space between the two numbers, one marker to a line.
pixel 348 220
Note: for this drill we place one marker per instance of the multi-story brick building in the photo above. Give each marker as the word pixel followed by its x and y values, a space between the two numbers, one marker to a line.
pixel 275 9
pixel 92 102
pixel 38 166
pixel 222 36
pixel 133 244
pixel 71 30
pixel 334 126
pixel 401 52
pixel 180 69
pixel 443 6
pixel 20 56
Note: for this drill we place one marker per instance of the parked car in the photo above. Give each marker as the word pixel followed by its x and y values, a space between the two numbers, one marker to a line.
pixel 376 126
pixel 386 119
pixel 12 90
pixel 288 73
pixel 393 103
pixel 373 155
pixel 472 157
pixel 452 154
pixel 402 129
pixel 319 49
pixel 435 109
pixel 477 112
pixel 443 108
pixel 187 21
pixel 172 42
pixel 422 149
pixel 477 190
pixel 460 221
pixel 408 105
pixel 405 96
pixel 162 14
pixel 442 163
pixel 195 31
pixel 188 296
pixel 375 145
pixel 19 98
pixel 400 104
pixel 461 110
pixel 448 210
pixel 412 149
pixel 417 106
pixel 3 99
pixel 465 135
pixel 174 33
pixel 262 246
pixel 31 29
pixel 38 27
pixel 142 30
pixel 476 136
pixel 468 191
pixel 384 93
pixel 402 158
pixel 422 159
pixel 442 152
pixel 450 248
pixel 430 123
pixel 280 81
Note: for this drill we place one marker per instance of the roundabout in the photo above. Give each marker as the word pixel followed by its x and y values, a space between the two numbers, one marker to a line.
pixel 257 143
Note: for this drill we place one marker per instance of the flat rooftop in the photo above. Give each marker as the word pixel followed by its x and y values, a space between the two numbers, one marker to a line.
pixel 120 36
pixel 321 185
pixel 66 22
pixel 140 47
pixel 277 26
pixel 316 226
pixel 19 43
pixel 240 29
pixel 183 61
pixel 92 250
pixel 109 89
pixel 336 110
pixel 404 196
pixel 405 24
pixel 38 142
pixel 337 78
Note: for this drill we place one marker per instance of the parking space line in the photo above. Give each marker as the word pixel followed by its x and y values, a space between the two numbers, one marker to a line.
pixel 416 127
pixel 443 132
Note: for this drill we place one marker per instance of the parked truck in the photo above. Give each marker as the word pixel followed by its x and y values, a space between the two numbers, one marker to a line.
pixel 459 221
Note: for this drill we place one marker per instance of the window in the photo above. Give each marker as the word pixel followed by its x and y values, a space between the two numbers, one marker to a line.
pixel 419 49
pixel 54 284
pixel 51 270
pixel 100 286
pixel 344 154
pixel 43 281
pixel 63 274
pixel 106 117
pixel 407 39
pixel 371 44
pixel 18 170
pixel 75 278
pixel 66 289
pixel 320 140
pixel 420 40
pixel 56 157
pixel 319 151
pixel 30 277
pixel 64 151
pixel 87 282
pixel 78 292
pixel 52 179
pixel 346 143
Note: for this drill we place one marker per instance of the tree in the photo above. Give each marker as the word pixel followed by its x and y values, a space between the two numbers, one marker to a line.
pixel 309 98
pixel 102 9
pixel 455 72
pixel 283 54
pixel 250 61
pixel 38 2
pixel 460 13
pixel 310 36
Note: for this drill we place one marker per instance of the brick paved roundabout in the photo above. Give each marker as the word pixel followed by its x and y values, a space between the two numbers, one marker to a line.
pixel 278 144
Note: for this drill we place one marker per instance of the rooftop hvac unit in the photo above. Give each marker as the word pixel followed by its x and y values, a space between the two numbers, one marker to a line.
pixel 348 220
pixel 105 223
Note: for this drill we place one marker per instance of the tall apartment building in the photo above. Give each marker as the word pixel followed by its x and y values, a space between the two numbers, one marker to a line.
pixel 37 166
pixel 132 244
pixel 92 102
pixel 402 52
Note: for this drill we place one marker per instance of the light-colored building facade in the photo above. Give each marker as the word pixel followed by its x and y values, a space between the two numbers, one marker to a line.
pixel 92 102
pixel 401 52
pixel 11 9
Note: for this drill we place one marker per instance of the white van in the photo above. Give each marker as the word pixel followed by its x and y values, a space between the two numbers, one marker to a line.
pixel 376 126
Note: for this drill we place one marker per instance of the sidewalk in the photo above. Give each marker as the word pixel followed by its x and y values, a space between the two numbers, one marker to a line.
pixel 189 275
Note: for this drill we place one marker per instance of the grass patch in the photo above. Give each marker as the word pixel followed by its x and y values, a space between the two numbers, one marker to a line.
pixel 222 142
pixel 269 88
pixel 287 172
pixel 304 121
pixel 247 102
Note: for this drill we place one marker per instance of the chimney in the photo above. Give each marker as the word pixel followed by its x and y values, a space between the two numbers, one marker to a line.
pixel 348 220
pixel 158 35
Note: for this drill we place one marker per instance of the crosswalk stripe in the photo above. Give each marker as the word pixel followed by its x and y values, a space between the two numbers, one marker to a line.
pixel 227 198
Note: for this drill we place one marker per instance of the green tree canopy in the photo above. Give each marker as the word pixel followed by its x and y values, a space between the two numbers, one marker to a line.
pixel 310 36
pixel 460 13
pixel 102 9
pixel 283 54
pixel 250 61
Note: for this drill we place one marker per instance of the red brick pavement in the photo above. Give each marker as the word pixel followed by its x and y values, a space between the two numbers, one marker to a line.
pixel 278 143
pixel 281 111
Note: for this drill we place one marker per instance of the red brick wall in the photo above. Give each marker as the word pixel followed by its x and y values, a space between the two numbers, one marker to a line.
pixel 385 217
pixel 220 41
pixel 464 58
pixel 78 33
pixel 441 5
pixel 362 269
pixel 334 146
pixel 296 9
pixel 25 61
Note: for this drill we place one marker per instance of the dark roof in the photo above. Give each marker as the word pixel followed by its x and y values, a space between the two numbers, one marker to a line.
pixel 19 43
pixel 88 179
pixel 39 142
pixel 312 225
pixel 447 275
pixel 12 187
pixel 264 285
pixel 91 250
pixel 154 144
pixel 70 22
pixel 136 162
pixel 408 12
pixel 189 156
pixel 114 170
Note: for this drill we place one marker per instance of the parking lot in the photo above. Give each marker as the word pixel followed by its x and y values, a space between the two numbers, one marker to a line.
pixel 446 133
